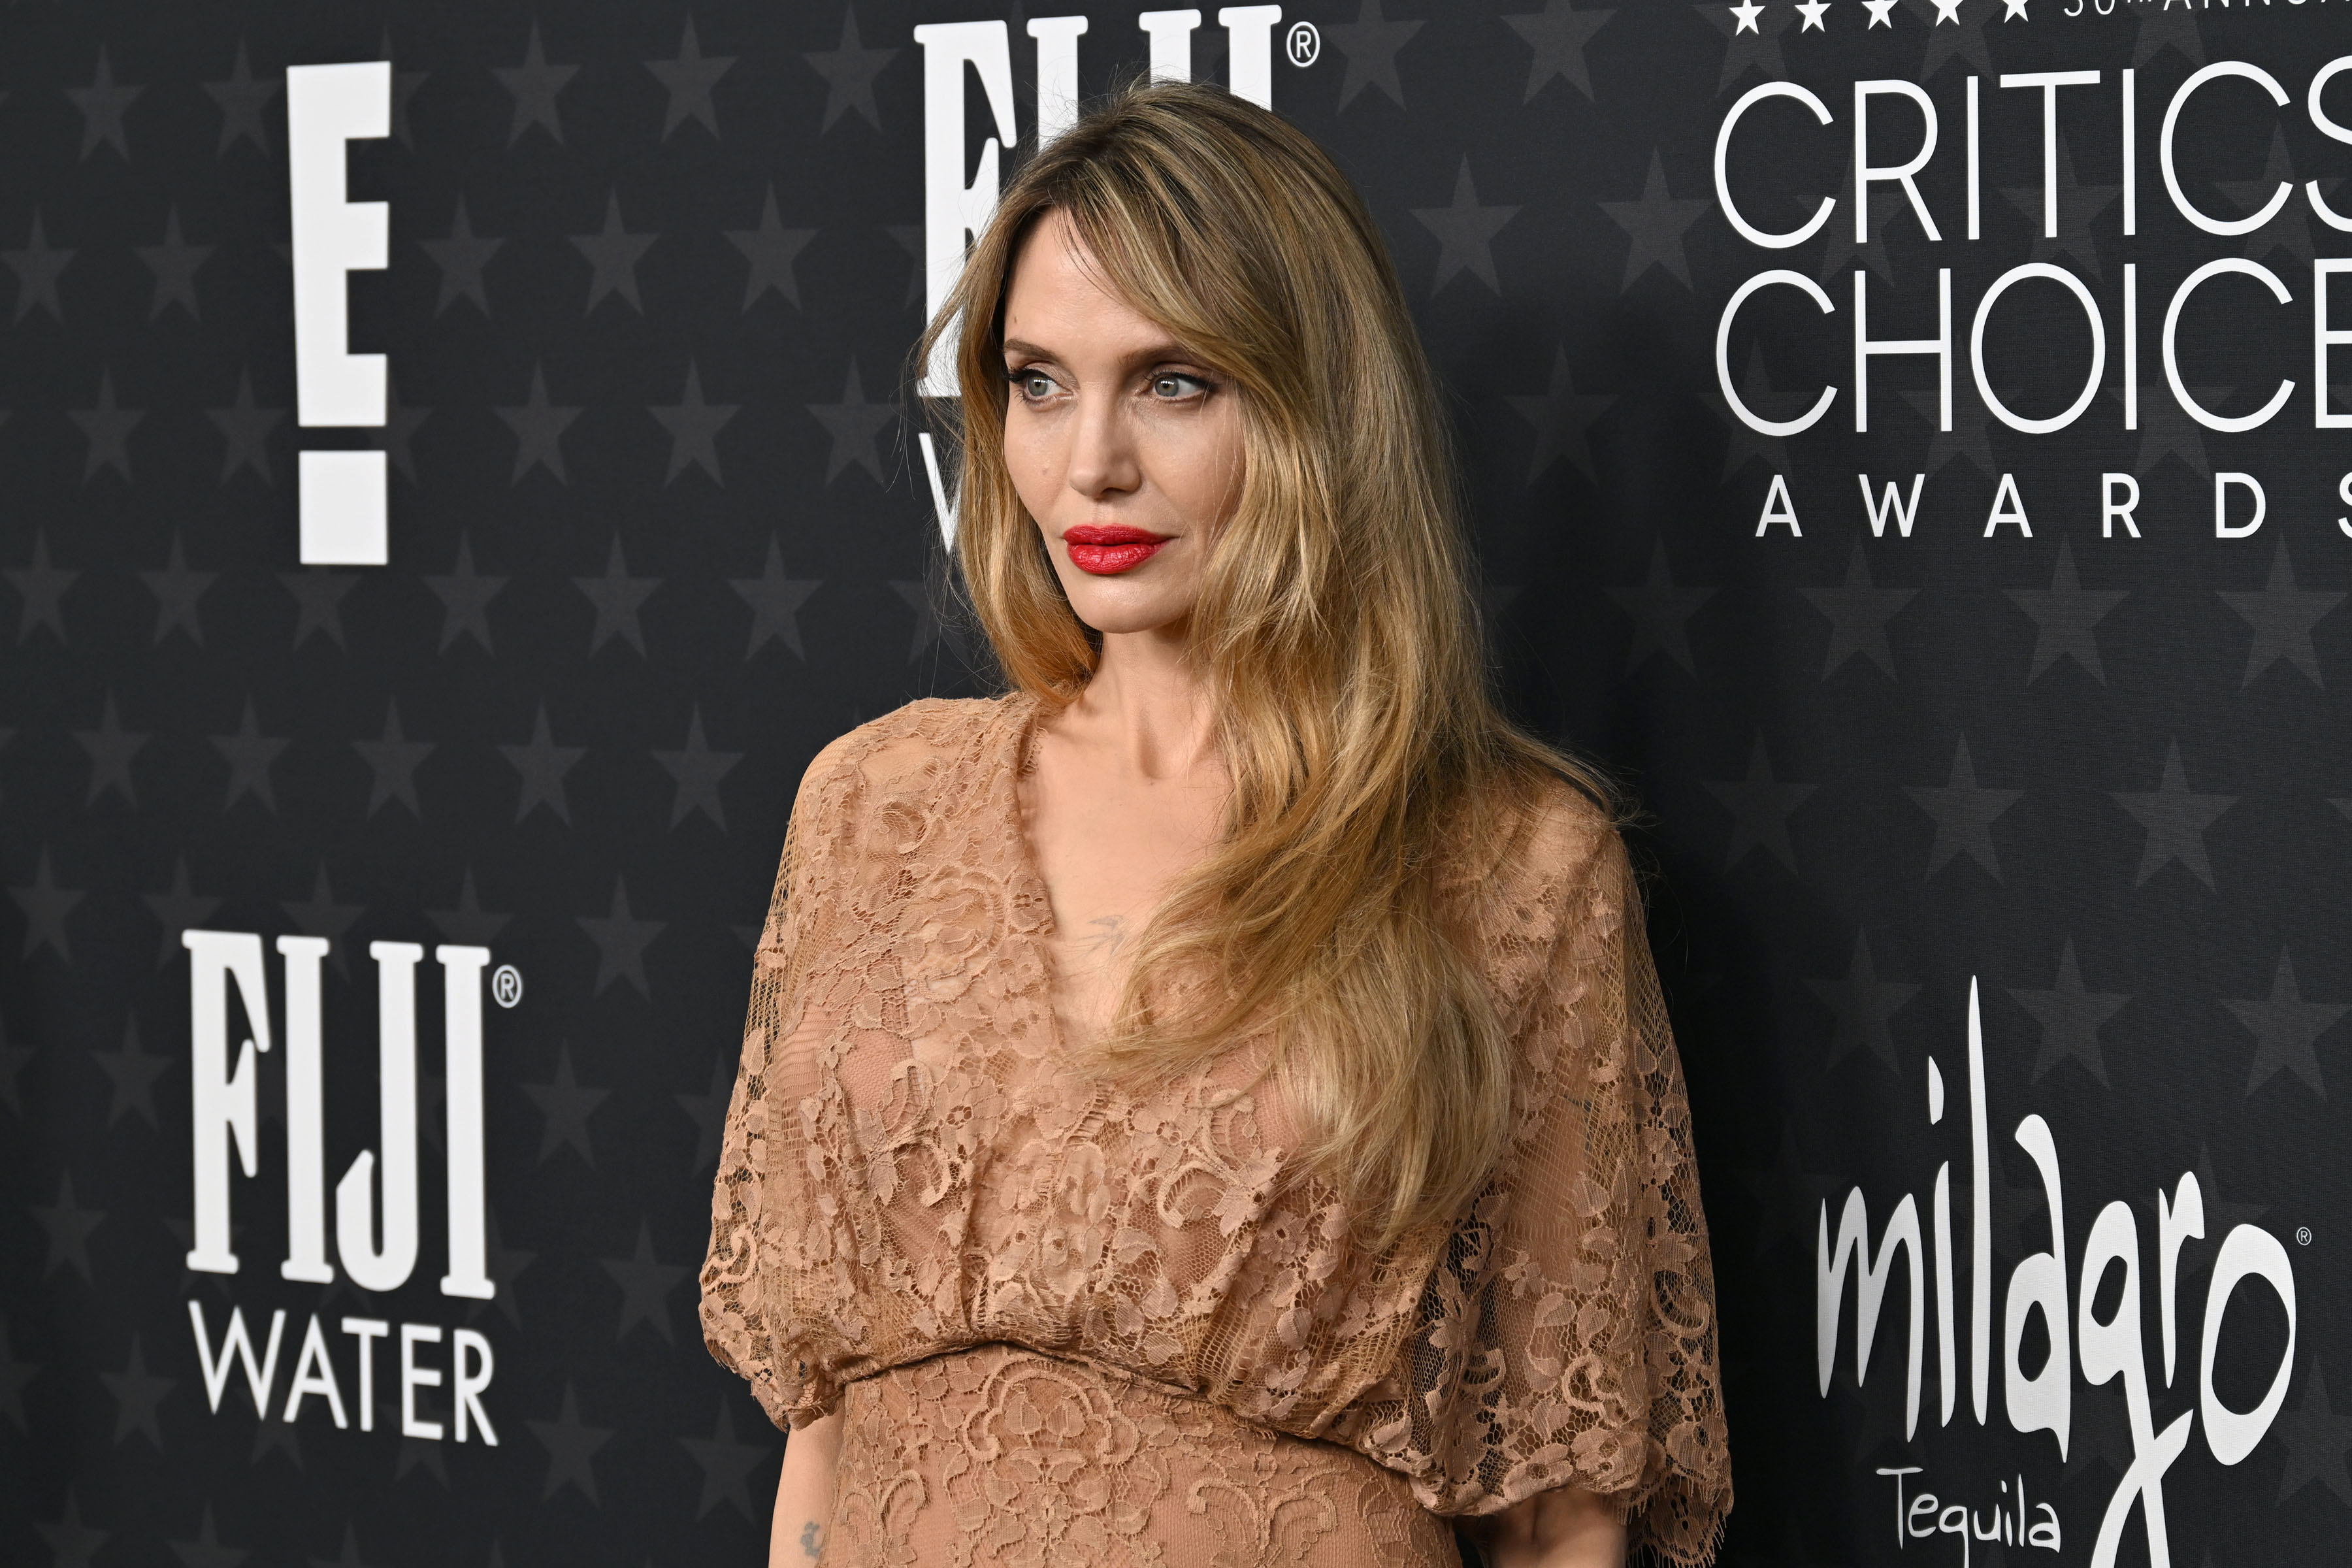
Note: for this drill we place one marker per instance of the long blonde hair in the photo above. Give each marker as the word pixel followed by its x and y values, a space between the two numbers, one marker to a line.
pixel 1335 630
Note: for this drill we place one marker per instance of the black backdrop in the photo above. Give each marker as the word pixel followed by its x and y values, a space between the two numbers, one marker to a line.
pixel 658 529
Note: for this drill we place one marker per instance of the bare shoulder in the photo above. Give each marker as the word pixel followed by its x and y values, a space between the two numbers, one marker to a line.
pixel 904 742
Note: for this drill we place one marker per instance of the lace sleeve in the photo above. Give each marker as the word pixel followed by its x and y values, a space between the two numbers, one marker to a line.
pixel 745 1315
pixel 1567 1335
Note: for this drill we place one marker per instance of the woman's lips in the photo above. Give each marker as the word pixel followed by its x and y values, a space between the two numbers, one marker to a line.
pixel 1106 552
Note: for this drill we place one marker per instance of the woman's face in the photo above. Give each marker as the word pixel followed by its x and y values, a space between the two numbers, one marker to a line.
pixel 1124 446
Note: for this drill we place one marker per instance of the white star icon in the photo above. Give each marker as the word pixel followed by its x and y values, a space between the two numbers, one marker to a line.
pixel 1813 11
pixel 2016 11
pixel 1748 15
pixel 1948 11
pixel 1880 13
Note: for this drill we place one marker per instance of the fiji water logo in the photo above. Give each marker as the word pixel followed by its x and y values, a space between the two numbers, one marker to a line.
pixel 2104 1348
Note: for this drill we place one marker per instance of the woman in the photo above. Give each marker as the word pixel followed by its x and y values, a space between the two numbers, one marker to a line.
pixel 1211 1106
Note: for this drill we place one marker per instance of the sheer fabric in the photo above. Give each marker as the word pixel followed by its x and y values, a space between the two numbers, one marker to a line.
pixel 1072 1323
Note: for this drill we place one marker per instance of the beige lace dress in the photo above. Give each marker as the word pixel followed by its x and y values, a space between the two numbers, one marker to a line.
pixel 1067 1324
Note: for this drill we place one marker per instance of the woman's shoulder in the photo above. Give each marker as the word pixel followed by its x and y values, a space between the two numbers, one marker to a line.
pixel 924 734
pixel 1550 854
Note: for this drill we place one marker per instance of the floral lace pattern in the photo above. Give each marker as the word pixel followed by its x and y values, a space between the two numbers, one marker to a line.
pixel 921 1210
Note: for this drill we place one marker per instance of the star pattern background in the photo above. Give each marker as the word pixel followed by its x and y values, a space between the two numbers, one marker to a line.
pixel 659 531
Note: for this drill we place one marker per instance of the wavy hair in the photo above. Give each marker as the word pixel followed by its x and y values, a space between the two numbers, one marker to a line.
pixel 1336 631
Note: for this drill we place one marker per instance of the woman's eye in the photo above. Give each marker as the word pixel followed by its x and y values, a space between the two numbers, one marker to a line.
pixel 1036 386
pixel 1174 385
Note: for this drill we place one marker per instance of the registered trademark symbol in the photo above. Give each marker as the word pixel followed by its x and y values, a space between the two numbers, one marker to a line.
pixel 506 986
pixel 2302 1235
pixel 1304 43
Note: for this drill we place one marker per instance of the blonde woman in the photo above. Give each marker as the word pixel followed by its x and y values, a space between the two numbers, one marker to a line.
pixel 1211 1104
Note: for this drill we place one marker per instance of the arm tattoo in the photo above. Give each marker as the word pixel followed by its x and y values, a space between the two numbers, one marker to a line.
pixel 811 1539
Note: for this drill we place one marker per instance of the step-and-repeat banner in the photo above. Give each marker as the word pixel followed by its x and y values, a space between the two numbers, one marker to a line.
pixel 459 463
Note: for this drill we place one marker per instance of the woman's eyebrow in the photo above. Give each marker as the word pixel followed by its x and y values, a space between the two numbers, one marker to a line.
pixel 1150 353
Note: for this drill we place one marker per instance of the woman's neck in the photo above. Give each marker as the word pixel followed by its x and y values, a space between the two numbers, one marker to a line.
pixel 1145 710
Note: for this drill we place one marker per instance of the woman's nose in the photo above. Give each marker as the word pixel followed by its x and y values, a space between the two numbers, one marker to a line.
pixel 1102 451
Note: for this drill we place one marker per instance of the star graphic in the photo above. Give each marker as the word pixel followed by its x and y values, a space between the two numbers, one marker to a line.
pixel 645 1284
pixel 1858 612
pixel 206 1550
pixel 1466 233
pixel 110 749
pixel 1788 1197
pixel 102 104
pixel 2285 1027
pixel 318 601
pixel 177 590
pixel 707 1111
pixel 2282 616
pixel 1562 419
pixel 2166 429
pixel 727 1465
pixel 690 79
pixel 461 258
pixel 469 923
pixel 2070 1018
pixel 617 596
pixel 37 266
pixel 771 249
pixel 1865 1006
pixel 43 589
pixel 621 941
pixel 2289 230
pixel 697 771
pixel 570 1446
pixel 1747 444
pixel 392 764
pixel 350 1555
pixel 507 1264
pixel 1655 224
pixel 246 429
pixel 1370 43
pixel 566 1104
pixel 2015 12
pixel 242 98
pixel 2175 819
pixel 1965 40
pixel 1813 11
pixel 693 426
pixel 319 915
pixel 72 1543
pixel 612 255
pixel 849 72
pixel 1558 34
pixel 46 906
pixel 1760 807
pixel 2316 1439
pixel 2162 28
pixel 174 264
pixel 1841 254
pixel 132 1072
pixel 1661 613
pixel 2063 616
pixel 107 428
pixel 1964 814
pixel 1881 14
pixel 854 425
pixel 1748 46
pixel 535 84
pixel 401 421
pixel 917 596
pixel 69 1226
pixel 543 764
pixel 250 754
pixel 137 1393
pixel 2078 205
pixel 539 428
pixel 415 1452
pixel 464 594
pixel 178 909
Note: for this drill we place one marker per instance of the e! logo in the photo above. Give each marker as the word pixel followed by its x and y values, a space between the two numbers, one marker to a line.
pixel 343 493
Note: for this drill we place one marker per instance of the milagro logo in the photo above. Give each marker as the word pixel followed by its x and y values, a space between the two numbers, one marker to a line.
pixel 374 1258
pixel 2105 1348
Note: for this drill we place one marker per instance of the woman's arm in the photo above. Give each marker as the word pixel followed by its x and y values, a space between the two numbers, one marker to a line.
pixel 804 1494
pixel 1566 1527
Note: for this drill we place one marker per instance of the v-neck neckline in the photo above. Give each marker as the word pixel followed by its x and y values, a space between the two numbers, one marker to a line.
pixel 1028 712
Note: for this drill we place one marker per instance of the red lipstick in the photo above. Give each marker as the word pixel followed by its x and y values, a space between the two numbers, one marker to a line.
pixel 1107 550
